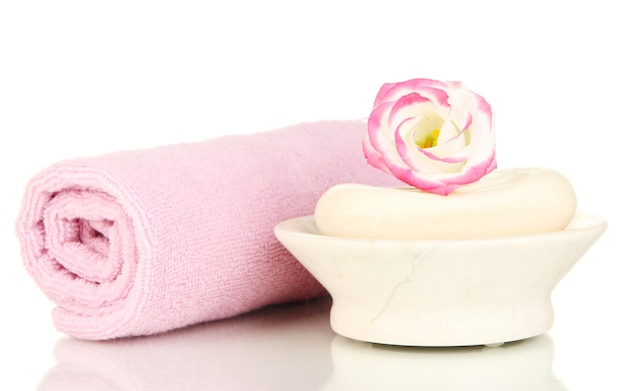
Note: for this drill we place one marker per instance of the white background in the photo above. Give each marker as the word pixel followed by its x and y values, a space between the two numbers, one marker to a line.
pixel 79 78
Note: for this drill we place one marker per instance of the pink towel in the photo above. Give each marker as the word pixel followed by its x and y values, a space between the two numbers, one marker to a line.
pixel 140 242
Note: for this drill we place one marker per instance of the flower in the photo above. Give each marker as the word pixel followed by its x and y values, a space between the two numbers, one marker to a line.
pixel 433 135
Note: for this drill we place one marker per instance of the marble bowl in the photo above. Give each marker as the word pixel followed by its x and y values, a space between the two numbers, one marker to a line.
pixel 440 292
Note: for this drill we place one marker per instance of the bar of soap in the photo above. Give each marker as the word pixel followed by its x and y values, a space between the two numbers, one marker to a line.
pixel 506 202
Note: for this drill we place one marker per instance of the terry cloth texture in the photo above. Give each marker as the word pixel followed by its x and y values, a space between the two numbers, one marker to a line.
pixel 140 242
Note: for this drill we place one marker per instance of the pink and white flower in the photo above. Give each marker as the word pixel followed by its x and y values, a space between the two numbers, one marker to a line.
pixel 433 135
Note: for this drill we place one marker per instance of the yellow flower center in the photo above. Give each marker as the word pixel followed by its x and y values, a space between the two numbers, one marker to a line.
pixel 428 141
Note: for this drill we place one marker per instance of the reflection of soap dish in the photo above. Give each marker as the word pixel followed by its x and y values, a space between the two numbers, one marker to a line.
pixel 440 292
pixel 519 366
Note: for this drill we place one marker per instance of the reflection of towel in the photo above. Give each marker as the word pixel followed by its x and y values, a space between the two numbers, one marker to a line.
pixel 139 242
pixel 284 348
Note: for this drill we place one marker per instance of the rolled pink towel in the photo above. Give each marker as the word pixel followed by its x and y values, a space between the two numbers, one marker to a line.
pixel 140 242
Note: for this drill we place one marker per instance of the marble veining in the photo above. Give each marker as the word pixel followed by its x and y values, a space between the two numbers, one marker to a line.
pixel 440 292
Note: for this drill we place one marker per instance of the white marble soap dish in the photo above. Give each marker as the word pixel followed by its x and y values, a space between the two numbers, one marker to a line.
pixel 440 292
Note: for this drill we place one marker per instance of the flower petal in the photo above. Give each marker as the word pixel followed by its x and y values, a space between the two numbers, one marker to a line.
pixel 393 91
pixel 432 135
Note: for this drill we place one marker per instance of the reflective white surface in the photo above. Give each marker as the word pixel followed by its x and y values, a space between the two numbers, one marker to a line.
pixel 524 365
pixel 292 347
pixel 80 78
pixel 280 348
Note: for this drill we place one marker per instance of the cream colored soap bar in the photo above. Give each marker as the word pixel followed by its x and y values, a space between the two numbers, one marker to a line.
pixel 506 202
